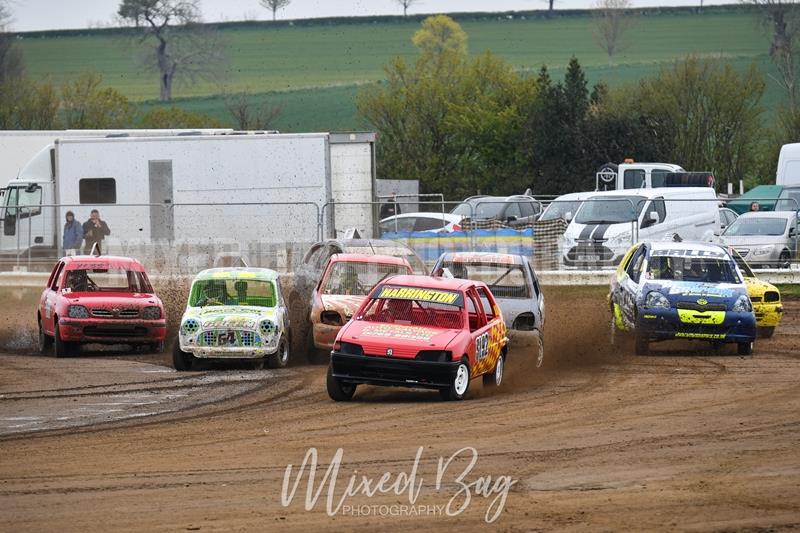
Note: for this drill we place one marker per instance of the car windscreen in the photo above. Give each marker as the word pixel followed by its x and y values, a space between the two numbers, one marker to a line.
pixel 699 269
pixel 610 210
pixel 481 208
pixel 560 209
pixel 789 200
pixel 353 278
pixel 107 280
pixel 258 293
pixel 756 226
pixel 504 280
pixel 414 306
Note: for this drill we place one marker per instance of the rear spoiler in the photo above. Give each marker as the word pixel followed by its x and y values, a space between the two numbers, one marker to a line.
pixel 689 179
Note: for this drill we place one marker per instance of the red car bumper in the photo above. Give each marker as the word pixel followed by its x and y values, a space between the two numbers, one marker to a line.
pixel 112 331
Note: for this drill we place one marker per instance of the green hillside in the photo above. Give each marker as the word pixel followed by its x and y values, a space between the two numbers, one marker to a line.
pixel 312 71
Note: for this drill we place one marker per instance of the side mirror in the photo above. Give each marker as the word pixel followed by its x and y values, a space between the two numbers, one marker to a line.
pixel 511 219
pixel 654 217
pixel 31 188
pixel 792 232
pixel 568 216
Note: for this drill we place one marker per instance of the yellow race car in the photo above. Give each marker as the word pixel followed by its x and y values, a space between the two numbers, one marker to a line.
pixel 765 296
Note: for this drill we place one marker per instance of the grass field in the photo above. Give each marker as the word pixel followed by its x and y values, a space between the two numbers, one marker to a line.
pixel 313 72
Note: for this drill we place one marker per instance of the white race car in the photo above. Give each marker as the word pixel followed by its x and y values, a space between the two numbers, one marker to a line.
pixel 234 313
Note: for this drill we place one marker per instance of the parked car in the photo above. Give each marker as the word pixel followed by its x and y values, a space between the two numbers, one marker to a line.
pixel 99 300
pixel 234 314
pixel 429 222
pixel 345 284
pixel 318 255
pixel 516 210
pixel 513 284
pixel 684 290
pixel 565 206
pixel 726 217
pixel 766 239
pixel 421 332
pixel 765 296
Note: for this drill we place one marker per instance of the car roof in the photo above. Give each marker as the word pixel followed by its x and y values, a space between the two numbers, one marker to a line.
pixel 430 282
pixel 482 257
pixel 686 245
pixel 575 196
pixel 263 274
pixel 367 258
pixel 79 262
pixel 657 191
pixel 450 217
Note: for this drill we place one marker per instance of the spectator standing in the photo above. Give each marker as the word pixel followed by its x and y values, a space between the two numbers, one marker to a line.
pixel 94 231
pixel 73 235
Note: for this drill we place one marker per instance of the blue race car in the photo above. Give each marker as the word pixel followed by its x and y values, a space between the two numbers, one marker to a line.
pixel 682 290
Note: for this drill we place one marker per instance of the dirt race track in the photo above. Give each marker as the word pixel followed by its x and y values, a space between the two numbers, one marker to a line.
pixel 596 440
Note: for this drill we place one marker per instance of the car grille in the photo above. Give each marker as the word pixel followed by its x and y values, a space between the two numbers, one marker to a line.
pixel 227 338
pixel 108 313
pixel 587 249
pixel 115 331
pixel 742 251
pixel 697 307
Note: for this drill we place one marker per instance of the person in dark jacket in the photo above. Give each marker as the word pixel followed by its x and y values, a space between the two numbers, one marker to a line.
pixel 94 231
pixel 73 235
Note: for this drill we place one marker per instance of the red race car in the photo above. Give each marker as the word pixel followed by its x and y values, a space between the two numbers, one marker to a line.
pixel 104 300
pixel 422 332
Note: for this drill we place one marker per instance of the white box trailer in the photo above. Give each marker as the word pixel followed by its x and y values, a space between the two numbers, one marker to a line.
pixel 198 188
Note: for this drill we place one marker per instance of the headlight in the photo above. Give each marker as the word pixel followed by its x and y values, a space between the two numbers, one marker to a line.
pixel 267 327
pixel 656 300
pixel 151 313
pixel 332 318
pixel 742 304
pixel 763 250
pixel 190 326
pixel 77 311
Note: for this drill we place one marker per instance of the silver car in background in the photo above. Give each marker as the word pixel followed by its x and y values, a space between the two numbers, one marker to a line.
pixel 765 239
pixel 513 283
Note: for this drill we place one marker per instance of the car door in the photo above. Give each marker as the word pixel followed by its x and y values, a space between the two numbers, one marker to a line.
pixel 537 293
pixel 627 288
pixel 49 298
pixel 480 332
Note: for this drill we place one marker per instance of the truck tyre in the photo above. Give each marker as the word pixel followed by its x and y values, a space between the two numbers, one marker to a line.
pixel 61 348
pixel 495 377
pixel 642 344
pixel 182 361
pixel 45 341
pixel 459 386
pixel 745 348
pixel 280 358
pixel 766 332
pixel 338 391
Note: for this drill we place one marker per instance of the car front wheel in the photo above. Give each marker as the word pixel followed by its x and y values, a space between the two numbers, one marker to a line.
pixel 745 348
pixel 280 358
pixel 337 390
pixel 61 348
pixel 495 377
pixel 459 386
pixel 45 340
pixel 182 361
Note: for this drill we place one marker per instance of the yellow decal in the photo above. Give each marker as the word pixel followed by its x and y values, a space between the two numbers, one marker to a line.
pixel 424 295
pixel 690 316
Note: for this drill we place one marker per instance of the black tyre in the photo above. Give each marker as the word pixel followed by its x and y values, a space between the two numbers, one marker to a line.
pixel 338 391
pixel 745 348
pixel 61 348
pixel 156 347
pixel 642 344
pixel 44 341
pixel 279 359
pixel 766 332
pixel 495 377
pixel 785 259
pixel 460 385
pixel 182 361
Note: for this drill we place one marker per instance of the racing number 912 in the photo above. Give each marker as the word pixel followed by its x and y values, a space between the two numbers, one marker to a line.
pixel 482 346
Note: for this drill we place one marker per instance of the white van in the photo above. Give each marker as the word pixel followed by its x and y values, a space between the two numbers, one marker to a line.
pixel 788 173
pixel 607 223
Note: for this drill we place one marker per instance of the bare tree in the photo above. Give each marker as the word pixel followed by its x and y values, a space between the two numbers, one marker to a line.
pixel 11 64
pixel 182 46
pixel 406 4
pixel 783 18
pixel 274 5
pixel 611 22
pixel 249 115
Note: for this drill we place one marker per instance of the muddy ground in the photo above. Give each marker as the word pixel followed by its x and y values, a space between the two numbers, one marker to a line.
pixel 598 439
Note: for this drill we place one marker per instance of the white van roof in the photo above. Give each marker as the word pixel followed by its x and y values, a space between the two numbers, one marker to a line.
pixel 675 192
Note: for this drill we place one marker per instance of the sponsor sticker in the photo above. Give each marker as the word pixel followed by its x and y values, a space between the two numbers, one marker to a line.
pixel 422 295
pixel 410 333
pixel 685 252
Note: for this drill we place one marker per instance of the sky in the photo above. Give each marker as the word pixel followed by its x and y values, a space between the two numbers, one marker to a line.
pixel 31 15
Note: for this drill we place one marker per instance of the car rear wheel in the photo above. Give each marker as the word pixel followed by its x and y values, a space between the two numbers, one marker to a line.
pixel 337 390
pixel 495 377
pixel 182 361
pixel 280 358
pixel 62 348
pixel 642 344
pixel 766 332
pixel 785 259
pixel 460 384
pixel 745 348
pixel 45 340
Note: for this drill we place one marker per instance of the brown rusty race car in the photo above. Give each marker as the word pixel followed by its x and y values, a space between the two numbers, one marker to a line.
pixel 345 283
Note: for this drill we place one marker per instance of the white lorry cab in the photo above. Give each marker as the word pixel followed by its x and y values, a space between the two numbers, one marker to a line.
pixel 609 222
pixel 632 175
pixel 788 174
